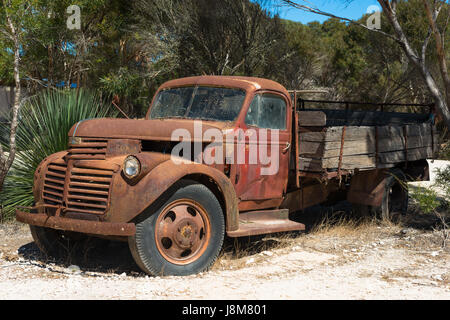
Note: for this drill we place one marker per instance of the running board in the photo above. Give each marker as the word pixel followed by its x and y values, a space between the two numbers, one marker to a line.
pixel 265 221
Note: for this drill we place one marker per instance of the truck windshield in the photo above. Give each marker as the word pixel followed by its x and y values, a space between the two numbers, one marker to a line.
pixel 207 103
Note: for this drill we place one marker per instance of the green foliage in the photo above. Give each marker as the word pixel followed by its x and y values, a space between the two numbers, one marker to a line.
pixel 44 123
pixel 426 199
pixel 129 48
pixel 443 181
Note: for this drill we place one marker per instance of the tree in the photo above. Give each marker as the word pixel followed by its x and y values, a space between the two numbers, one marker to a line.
pixel 439 88
pixel 13 16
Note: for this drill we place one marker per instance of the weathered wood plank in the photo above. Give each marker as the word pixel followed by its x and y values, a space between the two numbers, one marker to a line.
pixel 365 133
pixel 366 160
pixel 332 148
pixel 312 118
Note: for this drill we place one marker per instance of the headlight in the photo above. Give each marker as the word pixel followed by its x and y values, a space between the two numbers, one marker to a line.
pixel 131 167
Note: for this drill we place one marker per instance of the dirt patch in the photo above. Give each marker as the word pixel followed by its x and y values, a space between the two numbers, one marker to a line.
pixel 338 259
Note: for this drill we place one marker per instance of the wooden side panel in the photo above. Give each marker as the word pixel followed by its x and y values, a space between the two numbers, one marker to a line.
pixel 366 147
pixel 311 118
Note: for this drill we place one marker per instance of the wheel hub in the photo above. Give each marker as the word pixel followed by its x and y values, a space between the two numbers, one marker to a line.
pixel 182 231
pixel 185 233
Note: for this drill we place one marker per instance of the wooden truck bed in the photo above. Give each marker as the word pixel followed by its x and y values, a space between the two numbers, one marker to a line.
pixel 330 140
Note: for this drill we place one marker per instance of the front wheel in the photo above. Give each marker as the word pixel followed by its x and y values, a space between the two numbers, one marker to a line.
pixel 185 234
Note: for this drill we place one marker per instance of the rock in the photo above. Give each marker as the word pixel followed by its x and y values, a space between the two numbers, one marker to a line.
pixel 267 253
pixel 434 253
pixel 437 277
pixel 250 261
pixel 123 274
pixel 74 269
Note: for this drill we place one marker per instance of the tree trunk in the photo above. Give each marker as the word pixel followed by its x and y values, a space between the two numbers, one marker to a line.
pixel 6 162
pixel 440 101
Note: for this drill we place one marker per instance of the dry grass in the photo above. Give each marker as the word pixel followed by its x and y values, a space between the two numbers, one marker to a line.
pixel 330 234
pixel 342 225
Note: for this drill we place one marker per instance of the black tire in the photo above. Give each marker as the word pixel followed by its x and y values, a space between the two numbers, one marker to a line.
pixel 395 197
pixel 152 254
pixel 56 243
pixel 394 202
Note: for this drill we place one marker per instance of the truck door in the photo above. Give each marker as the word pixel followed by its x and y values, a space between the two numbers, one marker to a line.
pixel 266 115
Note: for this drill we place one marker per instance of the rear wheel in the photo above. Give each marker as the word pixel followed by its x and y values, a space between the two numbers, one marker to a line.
pixel 185 234
pixel 394 202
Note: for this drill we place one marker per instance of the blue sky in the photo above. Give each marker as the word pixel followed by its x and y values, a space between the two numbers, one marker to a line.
pixel 353 10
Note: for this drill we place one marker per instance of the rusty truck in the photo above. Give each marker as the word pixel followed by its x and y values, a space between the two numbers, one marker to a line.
pixel 120 179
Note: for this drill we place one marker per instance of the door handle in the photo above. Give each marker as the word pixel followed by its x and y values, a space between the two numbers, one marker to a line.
pixel 288 145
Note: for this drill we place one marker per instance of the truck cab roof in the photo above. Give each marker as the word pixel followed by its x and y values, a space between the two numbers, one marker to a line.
pixel 245 83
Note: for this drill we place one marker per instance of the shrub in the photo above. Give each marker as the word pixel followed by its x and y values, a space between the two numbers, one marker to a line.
pixel 45 120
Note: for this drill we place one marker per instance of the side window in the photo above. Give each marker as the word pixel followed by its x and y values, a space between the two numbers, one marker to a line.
pixel 267 111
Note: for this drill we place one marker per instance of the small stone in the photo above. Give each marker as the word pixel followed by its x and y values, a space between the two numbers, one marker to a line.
pixel 74 269
pixel 267 253
pixel 250 261
pixel 354 250
pixel 437 277
pixel 123 274
pixel 434 253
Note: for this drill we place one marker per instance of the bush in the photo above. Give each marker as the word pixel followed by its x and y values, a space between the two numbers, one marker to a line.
pixel 428 199
pixel 45 120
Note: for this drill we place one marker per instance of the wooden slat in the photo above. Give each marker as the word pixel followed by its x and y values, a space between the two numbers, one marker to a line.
pixel 312 118
pixel 366 160
pixel 331 149
pixel 365 133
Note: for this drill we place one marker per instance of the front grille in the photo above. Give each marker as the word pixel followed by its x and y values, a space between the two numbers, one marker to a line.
pixel 88 190
pixel 54 183
pixel 89 148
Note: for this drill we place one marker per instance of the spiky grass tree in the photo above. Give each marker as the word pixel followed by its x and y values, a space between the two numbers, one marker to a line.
pixel 45 120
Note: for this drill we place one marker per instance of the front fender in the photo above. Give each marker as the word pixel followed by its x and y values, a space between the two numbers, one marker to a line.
pixel 129 200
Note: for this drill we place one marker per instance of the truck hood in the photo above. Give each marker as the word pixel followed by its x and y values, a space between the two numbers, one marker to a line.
pixel 143 129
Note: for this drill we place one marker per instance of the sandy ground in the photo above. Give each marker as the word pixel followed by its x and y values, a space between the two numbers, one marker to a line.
pixel 344 261
pixel 339 259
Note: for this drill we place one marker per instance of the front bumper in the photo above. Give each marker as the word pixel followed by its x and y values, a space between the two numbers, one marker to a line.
pixel 82 226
